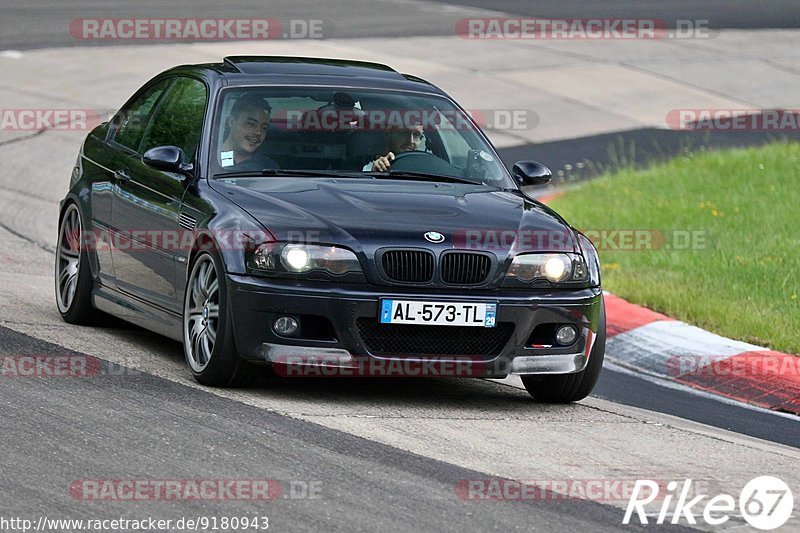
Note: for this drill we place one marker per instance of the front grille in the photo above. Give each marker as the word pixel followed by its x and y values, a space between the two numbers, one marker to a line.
pixel 408 266
pixel 407 339
pixel 461 268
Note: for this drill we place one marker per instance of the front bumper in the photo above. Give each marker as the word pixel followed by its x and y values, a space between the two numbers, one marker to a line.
pixel 256 302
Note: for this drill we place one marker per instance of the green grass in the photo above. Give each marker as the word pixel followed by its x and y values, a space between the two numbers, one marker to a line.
pixel 745 283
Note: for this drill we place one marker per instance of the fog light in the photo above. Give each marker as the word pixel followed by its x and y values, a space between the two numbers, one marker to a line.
pixel 286 326
pixel 566 335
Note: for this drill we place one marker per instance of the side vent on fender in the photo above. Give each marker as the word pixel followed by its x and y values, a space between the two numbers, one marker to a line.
pixel 187 222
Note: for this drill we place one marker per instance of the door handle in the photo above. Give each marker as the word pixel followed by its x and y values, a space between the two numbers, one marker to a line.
pixel 122 175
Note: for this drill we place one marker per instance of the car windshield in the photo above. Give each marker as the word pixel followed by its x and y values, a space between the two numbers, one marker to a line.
pixel 282 132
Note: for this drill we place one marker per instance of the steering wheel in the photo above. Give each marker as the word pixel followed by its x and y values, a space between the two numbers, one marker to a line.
pixel 418 161
pixel 409 155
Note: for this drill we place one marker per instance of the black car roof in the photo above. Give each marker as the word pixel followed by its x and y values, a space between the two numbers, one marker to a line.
pixel 247 70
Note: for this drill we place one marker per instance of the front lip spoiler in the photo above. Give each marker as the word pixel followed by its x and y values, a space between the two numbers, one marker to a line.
pixel 340 358
pixel 569 363
pixel 307 356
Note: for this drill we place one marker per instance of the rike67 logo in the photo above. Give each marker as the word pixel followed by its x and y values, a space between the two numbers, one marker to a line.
pixel 765 503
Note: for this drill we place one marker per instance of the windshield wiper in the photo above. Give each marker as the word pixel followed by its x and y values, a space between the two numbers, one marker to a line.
pixel 279 172
pixel 422 176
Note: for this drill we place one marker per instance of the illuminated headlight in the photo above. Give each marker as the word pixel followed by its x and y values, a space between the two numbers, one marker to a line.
pixel 552 267
pixel 555 268
pixel 296 258
pixel 276 257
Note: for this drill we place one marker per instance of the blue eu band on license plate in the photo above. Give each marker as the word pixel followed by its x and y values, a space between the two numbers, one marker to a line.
pixel 438 313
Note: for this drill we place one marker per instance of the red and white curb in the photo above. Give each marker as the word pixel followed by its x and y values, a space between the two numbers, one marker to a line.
pixel 646 342
pixel 654 344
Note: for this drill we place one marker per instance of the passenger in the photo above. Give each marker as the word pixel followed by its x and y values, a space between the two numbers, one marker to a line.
pixel 246 130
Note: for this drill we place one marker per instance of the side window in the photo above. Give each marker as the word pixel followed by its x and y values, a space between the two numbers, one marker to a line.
pixel 132 121
pixel 178 120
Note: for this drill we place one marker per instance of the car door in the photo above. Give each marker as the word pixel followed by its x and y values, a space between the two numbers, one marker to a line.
pixel 147 201
pixel 103 161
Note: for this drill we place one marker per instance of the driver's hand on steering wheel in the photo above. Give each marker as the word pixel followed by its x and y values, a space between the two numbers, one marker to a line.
pixel 382 164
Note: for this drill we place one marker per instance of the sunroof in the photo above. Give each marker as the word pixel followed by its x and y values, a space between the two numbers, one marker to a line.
pixel 309 66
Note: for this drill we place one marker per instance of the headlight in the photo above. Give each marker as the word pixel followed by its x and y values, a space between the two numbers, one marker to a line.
pixel 277 257
pixel 296 258
pixel 552 267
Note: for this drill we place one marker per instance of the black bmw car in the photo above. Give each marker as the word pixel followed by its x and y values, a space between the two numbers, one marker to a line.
pixel 317 213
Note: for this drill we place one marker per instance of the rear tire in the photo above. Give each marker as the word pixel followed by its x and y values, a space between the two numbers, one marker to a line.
pixel 567 388
pixel 208 342
pixel 73 277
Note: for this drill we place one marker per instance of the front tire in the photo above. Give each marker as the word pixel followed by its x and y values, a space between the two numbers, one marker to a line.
pixel 567 388
pixel 73 277
pixel 208 342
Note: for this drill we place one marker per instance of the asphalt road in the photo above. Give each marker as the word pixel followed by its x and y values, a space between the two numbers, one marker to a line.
pixel 386 454
pixel 27 25
pixel 129 425
pixel 626 388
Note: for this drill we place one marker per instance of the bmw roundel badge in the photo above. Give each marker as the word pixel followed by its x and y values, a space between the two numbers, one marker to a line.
pixel 434 236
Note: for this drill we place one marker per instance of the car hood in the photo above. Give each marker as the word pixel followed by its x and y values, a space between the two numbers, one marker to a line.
pixel 360 213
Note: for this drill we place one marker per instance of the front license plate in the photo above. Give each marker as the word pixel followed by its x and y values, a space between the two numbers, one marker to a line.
pixel 438 313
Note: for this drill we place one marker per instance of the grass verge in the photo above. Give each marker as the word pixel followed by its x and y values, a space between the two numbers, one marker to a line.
pixel 724 239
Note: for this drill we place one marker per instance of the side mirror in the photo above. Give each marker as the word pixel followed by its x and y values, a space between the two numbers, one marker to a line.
pixel 530 173
pixel 167 158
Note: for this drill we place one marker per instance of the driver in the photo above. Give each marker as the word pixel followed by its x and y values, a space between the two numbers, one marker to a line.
pixel 397 142
pixel 246 130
